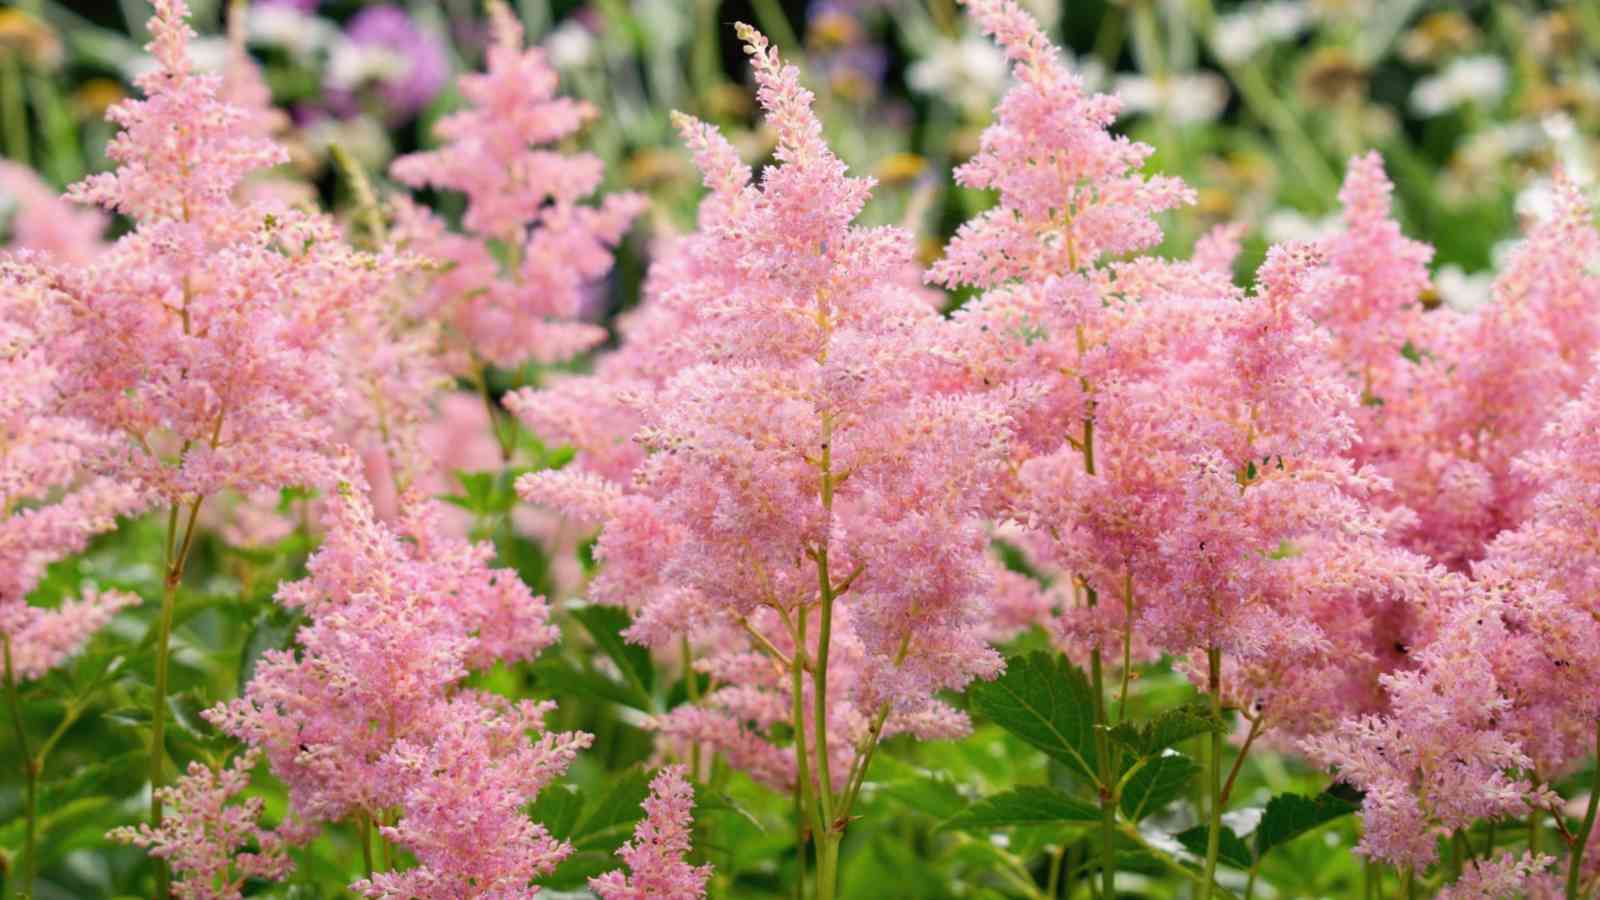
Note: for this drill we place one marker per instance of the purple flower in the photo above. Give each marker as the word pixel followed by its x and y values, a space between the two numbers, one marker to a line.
pixel 385 47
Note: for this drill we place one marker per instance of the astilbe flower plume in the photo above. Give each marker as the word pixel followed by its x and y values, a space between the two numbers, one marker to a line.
pixel 370 715
pixel 38 219
pixel 201 337
pixel 213 845
pixel 811 466
pixel 1449 433
pixel 655 856
pixel 49 507
pixel 1183 445
pixel 523 201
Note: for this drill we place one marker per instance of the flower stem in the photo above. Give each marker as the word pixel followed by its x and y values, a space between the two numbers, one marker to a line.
pixel 1108 800
pixel 177 554
pixel 1214 836
pixel 1575 866
pixel 30 774
pixel 366 842
pixel 802 778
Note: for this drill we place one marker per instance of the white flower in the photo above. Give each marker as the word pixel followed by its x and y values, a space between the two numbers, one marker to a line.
pixel 1462 290
pixel 208 54
pixel 1185 98
pixel 352 65
pixel 1239 36
pixel 970 72
pixel 1285 224
pixel 300 34
pixel 570 45
pixel 1470 79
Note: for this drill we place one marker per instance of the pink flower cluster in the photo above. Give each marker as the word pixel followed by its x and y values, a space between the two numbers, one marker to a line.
pixel 200 338
pixel 805 442
pixel 513 287
pixel 213 846
pixel 49 507
pixel 369 717
pixel 655 855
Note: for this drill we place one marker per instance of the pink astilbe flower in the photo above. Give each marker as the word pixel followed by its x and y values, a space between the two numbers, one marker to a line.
pixel 42 639
pixel 598 413
pixel 395 624
pixel 49 507
pixel 660 842
pixel 38 219
pixel 212 844
pixel 1449 441
pixel 202 338
pixel 1069 189
pixel 1506 877
pixel 1385 274
pixel 525 198
pixel 786 382
pixel 1438 759
pixel 462 807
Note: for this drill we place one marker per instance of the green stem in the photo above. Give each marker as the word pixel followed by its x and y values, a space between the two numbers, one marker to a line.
pixel 802 783
pixel 158 721
pixel 177 554
pixel 1127 645
pixel 366 843
pixel 30 774
pixel 1052 883
pixel 692 684
pixel 13 110
pixel 1108 799
pixel 1575 866
pixel 1214 835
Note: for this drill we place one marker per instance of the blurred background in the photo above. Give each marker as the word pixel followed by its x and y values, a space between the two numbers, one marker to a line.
pixel 1257 105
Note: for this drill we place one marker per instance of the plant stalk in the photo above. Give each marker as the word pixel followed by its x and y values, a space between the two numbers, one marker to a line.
pixel 1575 866
pixel 1214 836
pixel 30 774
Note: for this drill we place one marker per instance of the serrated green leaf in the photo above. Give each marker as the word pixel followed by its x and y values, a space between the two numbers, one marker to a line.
pixel 1158 782
pixel 605 624
pixel 1167 729
pixel 1036 805
pixel 1231 849
pixel 1046 701
pixel 1290 815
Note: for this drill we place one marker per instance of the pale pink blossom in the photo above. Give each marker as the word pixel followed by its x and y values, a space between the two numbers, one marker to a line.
pixel 655 856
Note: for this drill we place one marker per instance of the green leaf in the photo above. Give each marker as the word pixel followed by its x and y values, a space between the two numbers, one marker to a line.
pixel 710 802
pixel 932 793
pixel 1036 805
pixel 271 631
pixel 1231 849
pixel 1155 784
pixel 1167 729
pixel 1290 815
pixel 558 677
pixel 611 820
pixel 557 809
pixel 88 778
pixel 605 624
pixel 1044 700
